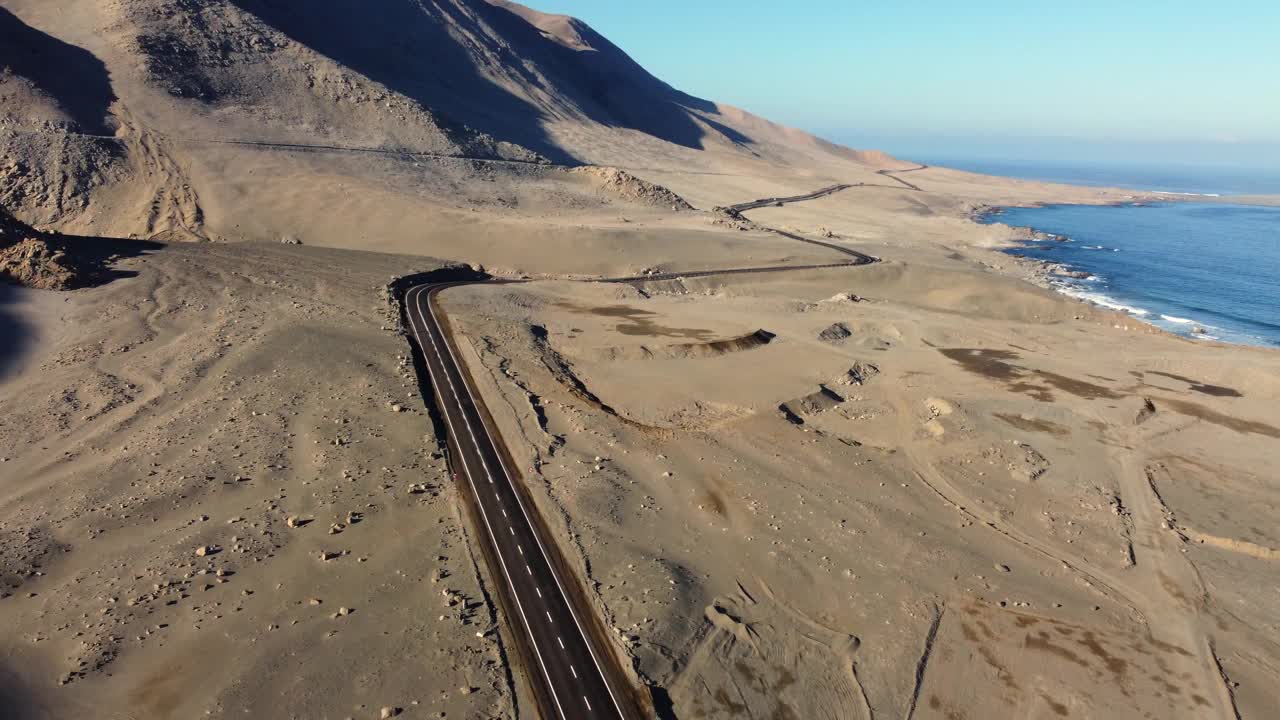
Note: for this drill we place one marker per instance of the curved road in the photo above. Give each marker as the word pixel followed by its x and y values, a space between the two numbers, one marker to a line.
pixel 892 175
pixel 735 211
pixel 765 202
pixel 573 670
pixel 565 649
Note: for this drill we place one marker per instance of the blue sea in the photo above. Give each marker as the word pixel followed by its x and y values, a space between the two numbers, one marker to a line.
pixel 1206 269
pixel 1179 179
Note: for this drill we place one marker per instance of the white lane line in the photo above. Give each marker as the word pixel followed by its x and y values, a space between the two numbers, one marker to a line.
pixel 549 617
pixel 466 470
pixel 539 591
pixel 513 530
pixel 573 670
pixel 520 501
pixel 520 548
pixel 526 569
pixel 588 702
pixel 561 641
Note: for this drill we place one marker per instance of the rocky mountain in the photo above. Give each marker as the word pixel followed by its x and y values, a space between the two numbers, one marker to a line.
pixel 132 94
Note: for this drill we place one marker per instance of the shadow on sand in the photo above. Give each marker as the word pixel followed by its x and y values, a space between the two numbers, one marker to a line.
pixel 15 332
pixel 16 703
pixel 92 258
pixel 433 53
pixel 76 80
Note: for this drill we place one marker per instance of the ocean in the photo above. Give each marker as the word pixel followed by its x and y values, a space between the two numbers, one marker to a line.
pixel 1210 270
pixel 1195 180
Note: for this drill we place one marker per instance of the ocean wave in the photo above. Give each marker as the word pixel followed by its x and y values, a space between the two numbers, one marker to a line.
pixel 1186 194
pixel 1105 301
pixel 1178 320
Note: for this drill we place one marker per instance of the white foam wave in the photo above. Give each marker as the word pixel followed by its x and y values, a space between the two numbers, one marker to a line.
pixel 1104 301
pixel 1186 194
pixel 1176 319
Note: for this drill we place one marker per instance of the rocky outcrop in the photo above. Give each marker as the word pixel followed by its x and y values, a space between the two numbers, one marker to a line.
pixel 629 187
pixel 819 401
pixel 27 258
pixel 34 263
pixel 1063 271
pixel 835 333
pixel 859 374
pixel 1145 412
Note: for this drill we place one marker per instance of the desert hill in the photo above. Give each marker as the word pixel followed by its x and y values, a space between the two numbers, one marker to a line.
pixel 136 107
pixel 49 83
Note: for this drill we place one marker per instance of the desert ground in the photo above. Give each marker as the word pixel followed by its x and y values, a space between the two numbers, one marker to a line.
pixel 927 487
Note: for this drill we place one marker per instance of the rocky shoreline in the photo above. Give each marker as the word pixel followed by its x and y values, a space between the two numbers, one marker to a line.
pixel 1042 273
pixel 1055 276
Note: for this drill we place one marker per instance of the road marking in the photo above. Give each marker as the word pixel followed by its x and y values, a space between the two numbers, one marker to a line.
pixel 526 569
pixel 561 641
pixel 519 500
pixel 539 591
pixel 549 617
pixel 574 670
pixel 466 469
pixel 520 548
pixel 588 702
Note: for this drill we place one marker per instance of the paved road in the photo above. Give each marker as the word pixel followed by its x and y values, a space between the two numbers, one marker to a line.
pixel 766 202
pixel 737 210
pixel 573 672
pixel 893 175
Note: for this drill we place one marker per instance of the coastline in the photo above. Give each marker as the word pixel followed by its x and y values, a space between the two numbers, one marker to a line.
pixel 1070 279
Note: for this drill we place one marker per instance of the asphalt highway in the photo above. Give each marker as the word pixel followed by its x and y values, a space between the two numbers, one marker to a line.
pixel 737 210
pixel 766 202
pixel 893 175
pixel 573 673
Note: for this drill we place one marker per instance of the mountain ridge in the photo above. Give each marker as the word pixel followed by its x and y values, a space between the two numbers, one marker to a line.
pixel 485 79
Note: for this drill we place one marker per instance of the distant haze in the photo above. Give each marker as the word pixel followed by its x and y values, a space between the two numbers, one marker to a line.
pixel 1128 81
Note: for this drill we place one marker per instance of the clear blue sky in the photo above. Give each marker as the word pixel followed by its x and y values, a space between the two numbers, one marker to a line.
pixel 1006 79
